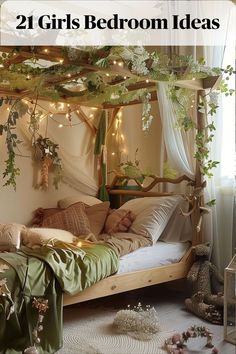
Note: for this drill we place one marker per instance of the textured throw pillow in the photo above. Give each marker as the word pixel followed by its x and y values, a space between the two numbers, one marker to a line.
pixel 10 237
pixel 86 199
pixel 40 214
pixel 72 219
pixel 152 215
pixel 97 215
pixel 118 220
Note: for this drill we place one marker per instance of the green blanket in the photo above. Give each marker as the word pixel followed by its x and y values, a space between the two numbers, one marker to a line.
pixel 46 273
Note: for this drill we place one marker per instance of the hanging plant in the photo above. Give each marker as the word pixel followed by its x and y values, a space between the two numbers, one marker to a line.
pixel 183 100
pixel 46 152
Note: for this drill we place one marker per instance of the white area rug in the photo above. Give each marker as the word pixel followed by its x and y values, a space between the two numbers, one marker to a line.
pixel 88 326
pixel 95 335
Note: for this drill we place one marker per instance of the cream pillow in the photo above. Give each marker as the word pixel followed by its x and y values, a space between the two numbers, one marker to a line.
pixel 152 215
pixel 48 233
pixel 86 199
pixel 37 236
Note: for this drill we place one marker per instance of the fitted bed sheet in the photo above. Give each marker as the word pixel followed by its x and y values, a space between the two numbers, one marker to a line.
pixel 160 254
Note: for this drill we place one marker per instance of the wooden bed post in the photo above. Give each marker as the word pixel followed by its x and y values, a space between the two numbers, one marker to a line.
pixel 199 182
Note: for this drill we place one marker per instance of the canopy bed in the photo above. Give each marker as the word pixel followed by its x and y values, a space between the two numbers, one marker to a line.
pixel 134 86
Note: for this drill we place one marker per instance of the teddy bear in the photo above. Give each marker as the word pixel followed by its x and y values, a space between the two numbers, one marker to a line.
pixel 207 287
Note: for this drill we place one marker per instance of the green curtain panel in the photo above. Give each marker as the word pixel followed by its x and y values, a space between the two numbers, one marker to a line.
pixel 100 142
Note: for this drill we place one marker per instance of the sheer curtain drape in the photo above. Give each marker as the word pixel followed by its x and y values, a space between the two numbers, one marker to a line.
pixel 177 142
pixel 218 225
pixel 221 186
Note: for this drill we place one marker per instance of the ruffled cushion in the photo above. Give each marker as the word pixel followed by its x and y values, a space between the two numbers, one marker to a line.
pixel 119 220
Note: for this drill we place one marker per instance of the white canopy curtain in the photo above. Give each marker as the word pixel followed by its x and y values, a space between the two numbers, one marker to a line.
pixel 176 141
pixel 218 225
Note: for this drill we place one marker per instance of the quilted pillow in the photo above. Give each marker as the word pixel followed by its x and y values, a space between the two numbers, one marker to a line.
pixel 152 214
pixel 72 219
pixel 119 220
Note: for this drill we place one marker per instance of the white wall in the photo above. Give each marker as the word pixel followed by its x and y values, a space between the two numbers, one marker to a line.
pixel 17 206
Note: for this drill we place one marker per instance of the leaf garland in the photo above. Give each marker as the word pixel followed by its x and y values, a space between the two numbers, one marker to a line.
pixel 12 141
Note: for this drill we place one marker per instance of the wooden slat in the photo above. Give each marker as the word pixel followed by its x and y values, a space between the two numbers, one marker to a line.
pixel 156 181
pixel 134 280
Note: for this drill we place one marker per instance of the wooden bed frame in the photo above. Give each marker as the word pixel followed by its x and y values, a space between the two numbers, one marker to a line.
pixel 129 281
pixel 124 282
pixel 119 283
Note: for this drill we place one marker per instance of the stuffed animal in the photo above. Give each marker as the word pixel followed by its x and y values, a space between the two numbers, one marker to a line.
pixel 207 287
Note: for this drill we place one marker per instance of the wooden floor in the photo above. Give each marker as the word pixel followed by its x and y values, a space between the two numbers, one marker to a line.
pixel 168 302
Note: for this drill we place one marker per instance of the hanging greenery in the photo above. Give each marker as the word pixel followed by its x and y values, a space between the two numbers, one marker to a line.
pixel 119 69
pixel 47 152
pixel 184 100
pixel 44 149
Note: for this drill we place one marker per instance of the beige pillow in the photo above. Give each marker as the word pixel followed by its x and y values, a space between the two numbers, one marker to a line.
pixel 97 215
pixel 152 214
pixel 10 237
pixel 119 220
pixel 86 199
pixel 72 219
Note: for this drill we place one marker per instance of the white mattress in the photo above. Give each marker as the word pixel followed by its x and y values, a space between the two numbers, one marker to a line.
pixel 160 254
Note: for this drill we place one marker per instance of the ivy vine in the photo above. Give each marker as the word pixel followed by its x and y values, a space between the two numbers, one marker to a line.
pixel 17 109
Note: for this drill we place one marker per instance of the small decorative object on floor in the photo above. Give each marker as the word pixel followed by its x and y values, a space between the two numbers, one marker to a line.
pixel 176 343
pixel 42 306
pixel 207 287
pixel 138 323
pixel 230 302
pixel 31 350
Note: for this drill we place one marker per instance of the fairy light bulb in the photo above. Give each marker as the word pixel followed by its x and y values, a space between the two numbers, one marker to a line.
pixel 60 126
pixel 61 61
pixel 113 153
pixel 120 63
pixel 147 81
pixel 114 62
pixel 45 50
pixel 107 74
pixel 91 115
pixel 113 134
